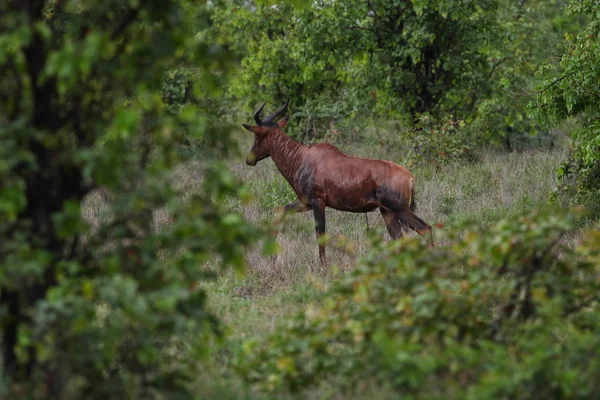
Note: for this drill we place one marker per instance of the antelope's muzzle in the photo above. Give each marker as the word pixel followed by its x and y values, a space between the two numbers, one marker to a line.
pixel 251 159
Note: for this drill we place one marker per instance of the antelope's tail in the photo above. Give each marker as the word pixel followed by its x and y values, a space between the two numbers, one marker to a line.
pixel 413 203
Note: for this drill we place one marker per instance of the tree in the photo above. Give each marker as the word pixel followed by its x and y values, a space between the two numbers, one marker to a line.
pixel 575 94
pixel 471 60
pixel 114 311
pixel 524 52
pixel 395 57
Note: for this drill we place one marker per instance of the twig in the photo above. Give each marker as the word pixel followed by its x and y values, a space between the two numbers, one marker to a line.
pixel 494 66
pixel 359 28
pixel 555 82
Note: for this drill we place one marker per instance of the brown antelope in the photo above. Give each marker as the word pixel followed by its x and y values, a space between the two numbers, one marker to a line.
pixel 322 176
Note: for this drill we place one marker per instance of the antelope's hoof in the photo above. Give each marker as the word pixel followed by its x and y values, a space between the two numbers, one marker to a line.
pixel 279 212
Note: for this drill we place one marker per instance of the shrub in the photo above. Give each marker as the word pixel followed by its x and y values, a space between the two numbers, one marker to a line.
pixel 500 312
pixel 438 142
pixel 576 94
pixel 118 312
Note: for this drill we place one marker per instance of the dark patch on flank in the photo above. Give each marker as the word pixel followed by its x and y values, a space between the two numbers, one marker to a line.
pixel 390 198
pixel 306 179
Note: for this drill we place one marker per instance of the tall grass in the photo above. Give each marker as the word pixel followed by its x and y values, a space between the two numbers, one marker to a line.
pixel 484 192
pixel 251 306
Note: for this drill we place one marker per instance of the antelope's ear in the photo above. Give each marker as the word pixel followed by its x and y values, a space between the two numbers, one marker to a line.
pixel 259 130
pixel 283 121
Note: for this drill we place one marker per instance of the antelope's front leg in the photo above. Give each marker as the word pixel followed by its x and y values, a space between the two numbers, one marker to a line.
pixel 318 207
pixel 295 207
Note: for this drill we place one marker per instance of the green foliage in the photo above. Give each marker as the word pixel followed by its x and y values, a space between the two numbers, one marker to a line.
pixel 113 312
pixel 439 142
pixel 341 61
pixel 499 312
pixel 395 58
pixel 176 89
pixel 520 56
pixel 448 205
pixel 577 94
pixel 274 193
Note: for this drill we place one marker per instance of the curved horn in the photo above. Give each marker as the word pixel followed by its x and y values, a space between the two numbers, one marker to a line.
pixel 277 112
pixel 259 122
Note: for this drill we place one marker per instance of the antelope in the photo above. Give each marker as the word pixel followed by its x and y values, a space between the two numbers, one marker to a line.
pixel 322 176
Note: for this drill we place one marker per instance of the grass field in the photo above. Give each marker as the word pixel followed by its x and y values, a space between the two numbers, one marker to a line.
pixel 252 306
pixel 483 192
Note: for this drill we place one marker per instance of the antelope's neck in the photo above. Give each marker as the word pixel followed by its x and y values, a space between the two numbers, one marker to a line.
pixel 287 154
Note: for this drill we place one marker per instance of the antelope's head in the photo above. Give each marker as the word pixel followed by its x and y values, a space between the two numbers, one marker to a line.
pixel 264 130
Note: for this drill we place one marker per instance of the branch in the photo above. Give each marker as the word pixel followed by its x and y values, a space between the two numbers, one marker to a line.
pixel 129 17
pixel 489 76
pixel 580 306
pixel 555 82
pixel 504 267
pixel 19 91
pixel 76 110
pixel 494 66
pixel 549 248
pixel 359 28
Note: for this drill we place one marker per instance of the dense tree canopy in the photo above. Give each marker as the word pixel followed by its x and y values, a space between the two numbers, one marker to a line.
pixel 576 94
pixel 112 311
pixel 337 60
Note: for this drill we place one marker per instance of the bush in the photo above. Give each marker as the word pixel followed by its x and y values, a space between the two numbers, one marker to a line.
pixel 500 312
pixel 116 312
pixel 438 142
pixel 579 175
pixel 576 94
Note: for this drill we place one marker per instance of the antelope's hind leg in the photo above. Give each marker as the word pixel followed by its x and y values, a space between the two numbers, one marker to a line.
pixel 417 224
pixel 392 224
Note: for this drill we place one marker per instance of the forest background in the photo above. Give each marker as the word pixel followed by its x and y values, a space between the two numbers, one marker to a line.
pixel 136 249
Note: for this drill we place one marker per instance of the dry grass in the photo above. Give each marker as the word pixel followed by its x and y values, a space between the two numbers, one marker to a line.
pixel 269 292
pixel 252 305
pixel 485 191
